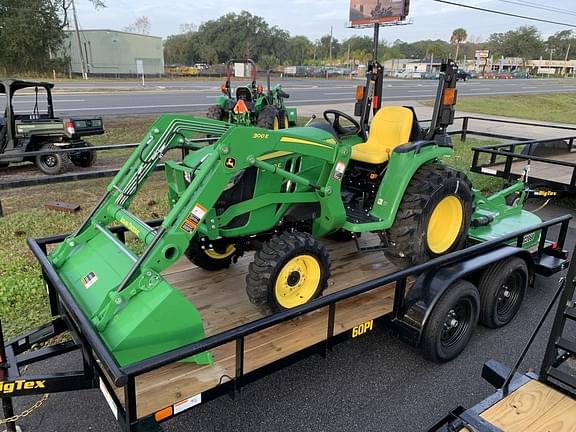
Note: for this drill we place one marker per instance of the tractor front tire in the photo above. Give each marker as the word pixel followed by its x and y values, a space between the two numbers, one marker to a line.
pixel 215 112
pixel 284 122
pixel 433 218
pixel 52 164
pixel 269 118
pixel 289 270
pixel 84 158
pixel 214 259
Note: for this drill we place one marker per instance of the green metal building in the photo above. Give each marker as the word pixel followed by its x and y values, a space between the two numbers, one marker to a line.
pixel 116 53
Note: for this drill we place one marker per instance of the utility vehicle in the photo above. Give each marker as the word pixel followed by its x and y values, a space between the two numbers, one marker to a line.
pixel 250 106
pixel 40 130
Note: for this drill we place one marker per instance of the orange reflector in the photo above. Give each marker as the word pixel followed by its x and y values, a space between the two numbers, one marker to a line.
pixel 360 93
pixel 240 107
pixel 224 89
pixel 449 97
pixel 375 102
pixel 163 414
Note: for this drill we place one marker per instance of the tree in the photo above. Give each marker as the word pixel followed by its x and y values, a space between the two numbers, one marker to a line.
pixel 141 26
pixel 66 5
pixel 30 36
pixel 459 35
pixel 562 44
pixel 524 42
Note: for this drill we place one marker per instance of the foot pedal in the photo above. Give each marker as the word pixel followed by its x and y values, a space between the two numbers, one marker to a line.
pixel 570 313
pixel 566 345
pixel 562 376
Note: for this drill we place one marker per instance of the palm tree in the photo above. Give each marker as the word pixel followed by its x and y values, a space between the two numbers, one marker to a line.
pixel 458 36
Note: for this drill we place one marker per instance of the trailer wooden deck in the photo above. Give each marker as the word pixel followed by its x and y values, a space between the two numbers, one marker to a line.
pixel 534 407
pixel 221 299
pixel 550 172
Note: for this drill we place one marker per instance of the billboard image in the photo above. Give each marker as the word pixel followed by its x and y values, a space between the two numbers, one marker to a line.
pixel 377 11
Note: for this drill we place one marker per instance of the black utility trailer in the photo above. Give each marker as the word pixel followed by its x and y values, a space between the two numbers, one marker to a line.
pixel 530 402
pixel 429 305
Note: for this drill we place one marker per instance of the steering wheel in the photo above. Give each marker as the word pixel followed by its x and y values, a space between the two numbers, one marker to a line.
pixel 335 122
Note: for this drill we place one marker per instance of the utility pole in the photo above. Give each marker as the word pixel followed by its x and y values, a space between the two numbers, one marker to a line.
pixel 566 60
pixel 331 37
pixel 83 67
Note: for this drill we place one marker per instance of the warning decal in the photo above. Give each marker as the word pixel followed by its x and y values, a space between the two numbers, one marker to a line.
pixel 194 219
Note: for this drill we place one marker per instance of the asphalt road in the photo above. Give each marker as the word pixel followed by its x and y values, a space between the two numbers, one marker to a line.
pixel 372 383
pixel 196 96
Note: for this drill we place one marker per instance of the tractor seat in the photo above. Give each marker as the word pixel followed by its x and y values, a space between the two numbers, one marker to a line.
pixel 390 128
pixel 244 93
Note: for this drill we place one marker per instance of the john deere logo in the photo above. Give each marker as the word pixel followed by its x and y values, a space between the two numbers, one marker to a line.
pixel 230 163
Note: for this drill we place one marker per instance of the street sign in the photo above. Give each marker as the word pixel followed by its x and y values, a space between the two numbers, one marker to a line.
pixel 482 53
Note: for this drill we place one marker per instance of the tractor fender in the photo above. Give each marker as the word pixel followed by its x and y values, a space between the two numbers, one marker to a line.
pixel 404 161
pixel 222 101
pixel 429 287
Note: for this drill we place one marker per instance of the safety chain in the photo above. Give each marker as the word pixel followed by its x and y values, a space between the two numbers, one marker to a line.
pixel 26 412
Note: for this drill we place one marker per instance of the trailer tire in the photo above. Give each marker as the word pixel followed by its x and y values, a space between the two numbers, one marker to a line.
pixel 421 230
pixel 52 164
pixel 269 118
pixel 289 270
pixel 215 112
pixel 84 158
pixel 451 322
pixel 502 289
pixel 211 259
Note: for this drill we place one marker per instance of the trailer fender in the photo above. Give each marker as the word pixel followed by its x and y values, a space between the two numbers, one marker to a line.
pixel 429 288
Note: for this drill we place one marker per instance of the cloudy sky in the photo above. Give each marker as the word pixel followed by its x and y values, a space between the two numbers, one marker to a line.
pixel 313 18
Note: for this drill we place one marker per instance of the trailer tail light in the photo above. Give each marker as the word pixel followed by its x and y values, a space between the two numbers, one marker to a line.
pixel 224 89
pixel 449 97
pixel 70 129
pixel 163 414
pixel 376 102
pixel 360 93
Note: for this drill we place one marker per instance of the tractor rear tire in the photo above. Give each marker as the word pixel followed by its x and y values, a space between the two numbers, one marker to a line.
pixel 502 289
pixel 433 218
pixel 215 112
pixel 52 164
pixel 211 259
pixel 289 270
pixel 84 158
pixel 269 118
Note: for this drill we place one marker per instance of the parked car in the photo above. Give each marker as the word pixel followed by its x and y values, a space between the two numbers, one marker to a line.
pixel 462 75
pixel 520 74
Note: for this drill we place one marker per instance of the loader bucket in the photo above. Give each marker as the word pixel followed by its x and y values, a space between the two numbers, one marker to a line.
pixel 147 318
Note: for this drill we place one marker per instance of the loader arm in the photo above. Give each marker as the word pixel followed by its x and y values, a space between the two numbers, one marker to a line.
pixel 137 313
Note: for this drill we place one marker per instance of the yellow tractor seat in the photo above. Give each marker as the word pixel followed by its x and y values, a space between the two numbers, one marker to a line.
pixel 390 128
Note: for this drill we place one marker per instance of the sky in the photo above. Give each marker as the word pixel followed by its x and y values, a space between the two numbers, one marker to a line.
pixel 314 18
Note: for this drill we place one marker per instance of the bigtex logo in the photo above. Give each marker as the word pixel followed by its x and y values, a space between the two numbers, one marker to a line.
pixel 11 387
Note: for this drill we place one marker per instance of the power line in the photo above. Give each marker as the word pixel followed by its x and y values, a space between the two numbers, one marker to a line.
pixel 506 13
pixel 537 6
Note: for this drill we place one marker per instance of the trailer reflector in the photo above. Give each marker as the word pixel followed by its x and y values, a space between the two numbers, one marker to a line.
pixel 449 97
pixel 163 414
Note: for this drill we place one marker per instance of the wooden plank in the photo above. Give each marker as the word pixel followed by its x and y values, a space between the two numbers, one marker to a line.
pixel 221 299
pixel 534 407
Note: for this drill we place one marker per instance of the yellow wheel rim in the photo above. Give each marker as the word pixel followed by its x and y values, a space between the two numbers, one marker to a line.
pixel 230 249
pixel 445 224
pixel 297 281
pixel 286 123
pixel 276 125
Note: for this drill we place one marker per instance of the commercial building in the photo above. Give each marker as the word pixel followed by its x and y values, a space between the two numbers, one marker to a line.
pixel 115 53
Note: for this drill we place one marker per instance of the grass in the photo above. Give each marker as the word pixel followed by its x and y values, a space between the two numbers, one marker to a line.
pixel 559 108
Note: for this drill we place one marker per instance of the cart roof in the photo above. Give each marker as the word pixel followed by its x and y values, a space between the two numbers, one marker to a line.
pixel 16 85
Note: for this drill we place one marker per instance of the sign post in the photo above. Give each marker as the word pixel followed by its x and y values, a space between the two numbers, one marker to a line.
pixel 140 70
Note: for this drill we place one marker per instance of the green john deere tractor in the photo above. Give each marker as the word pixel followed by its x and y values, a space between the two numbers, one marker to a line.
pixel 251 106
pixel 278 193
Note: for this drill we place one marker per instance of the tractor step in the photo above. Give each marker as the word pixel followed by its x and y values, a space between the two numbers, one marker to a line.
pixel 357 216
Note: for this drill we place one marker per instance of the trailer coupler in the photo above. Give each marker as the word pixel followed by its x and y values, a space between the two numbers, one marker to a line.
pixel 21 352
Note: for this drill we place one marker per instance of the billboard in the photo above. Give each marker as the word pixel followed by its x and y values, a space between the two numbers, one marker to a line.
pixel 364 12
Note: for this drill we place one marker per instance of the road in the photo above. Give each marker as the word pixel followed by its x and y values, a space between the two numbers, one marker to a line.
pixel 124 98
pixel 372 383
